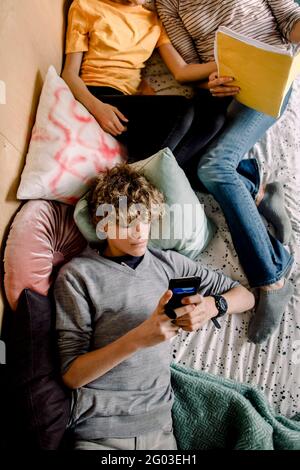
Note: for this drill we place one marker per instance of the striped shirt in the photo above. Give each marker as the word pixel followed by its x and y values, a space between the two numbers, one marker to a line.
pixel 192 24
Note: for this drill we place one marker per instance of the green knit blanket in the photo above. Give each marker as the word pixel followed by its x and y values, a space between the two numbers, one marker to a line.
pixel 211 412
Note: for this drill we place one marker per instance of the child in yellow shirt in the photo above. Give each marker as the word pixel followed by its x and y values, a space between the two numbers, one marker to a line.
pixel 108 43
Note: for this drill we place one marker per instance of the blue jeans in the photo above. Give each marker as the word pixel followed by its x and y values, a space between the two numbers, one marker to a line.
pixel 234 183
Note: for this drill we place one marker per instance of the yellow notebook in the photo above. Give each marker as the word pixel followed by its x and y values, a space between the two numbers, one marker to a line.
pixel 264 73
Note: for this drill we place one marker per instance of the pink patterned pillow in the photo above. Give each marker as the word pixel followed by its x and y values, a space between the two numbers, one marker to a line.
pixel 67 149
pixel 43 235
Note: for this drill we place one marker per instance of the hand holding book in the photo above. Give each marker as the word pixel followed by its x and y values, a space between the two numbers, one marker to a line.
pixel 222 86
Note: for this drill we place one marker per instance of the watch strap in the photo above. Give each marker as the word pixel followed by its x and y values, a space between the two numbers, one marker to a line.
pixel 221 305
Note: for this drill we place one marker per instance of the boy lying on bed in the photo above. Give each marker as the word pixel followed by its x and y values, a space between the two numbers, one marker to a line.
pixel 113 333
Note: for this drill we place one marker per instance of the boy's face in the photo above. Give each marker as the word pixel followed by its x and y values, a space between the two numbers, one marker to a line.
pixel 130 240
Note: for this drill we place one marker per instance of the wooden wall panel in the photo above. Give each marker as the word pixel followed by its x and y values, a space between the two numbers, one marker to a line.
pixel 31 37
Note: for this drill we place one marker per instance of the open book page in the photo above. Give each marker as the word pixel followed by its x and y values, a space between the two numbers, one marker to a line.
pixel 263 72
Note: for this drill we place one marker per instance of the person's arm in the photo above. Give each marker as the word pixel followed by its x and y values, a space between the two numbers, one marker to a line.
pixel 287 14
pixel 80 24
pixel 238 297
pixel 220 86
pixel 182 71
pixel 74 328
pixel 108 116
pixel 295 33
pixel 183 61
pixel 239 300
pixel 168 11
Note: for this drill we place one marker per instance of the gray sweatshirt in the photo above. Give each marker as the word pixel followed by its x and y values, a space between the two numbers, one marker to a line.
pixel 97 302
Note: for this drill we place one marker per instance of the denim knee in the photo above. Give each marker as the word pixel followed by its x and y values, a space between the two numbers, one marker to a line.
pixel 211 173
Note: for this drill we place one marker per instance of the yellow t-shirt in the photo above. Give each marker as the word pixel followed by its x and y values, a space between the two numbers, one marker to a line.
pixel 116 40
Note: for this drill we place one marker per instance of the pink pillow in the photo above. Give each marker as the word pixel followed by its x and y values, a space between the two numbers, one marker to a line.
pixel 42 236
pixel 67 149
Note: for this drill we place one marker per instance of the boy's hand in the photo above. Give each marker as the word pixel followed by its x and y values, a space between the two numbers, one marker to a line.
pixel 220 86
pixel 157 328
pixel 202 309
pixel 109 118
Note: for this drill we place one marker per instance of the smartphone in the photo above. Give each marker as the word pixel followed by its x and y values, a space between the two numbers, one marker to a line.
pixel 183 287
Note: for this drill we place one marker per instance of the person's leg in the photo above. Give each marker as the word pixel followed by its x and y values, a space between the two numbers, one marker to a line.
pixel 161 439
pixel 272 207
pixel 263 258
pixel 268 198
pixel 155 122
pixel 209 118
pixel 185 126
pixel 106 444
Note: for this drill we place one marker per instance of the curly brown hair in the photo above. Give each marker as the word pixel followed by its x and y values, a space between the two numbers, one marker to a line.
pixel 124 181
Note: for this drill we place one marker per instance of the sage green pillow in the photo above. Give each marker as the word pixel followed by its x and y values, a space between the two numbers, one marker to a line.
pixel 184 227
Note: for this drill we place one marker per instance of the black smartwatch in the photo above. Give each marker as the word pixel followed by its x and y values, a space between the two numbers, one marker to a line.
pixel 221 305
